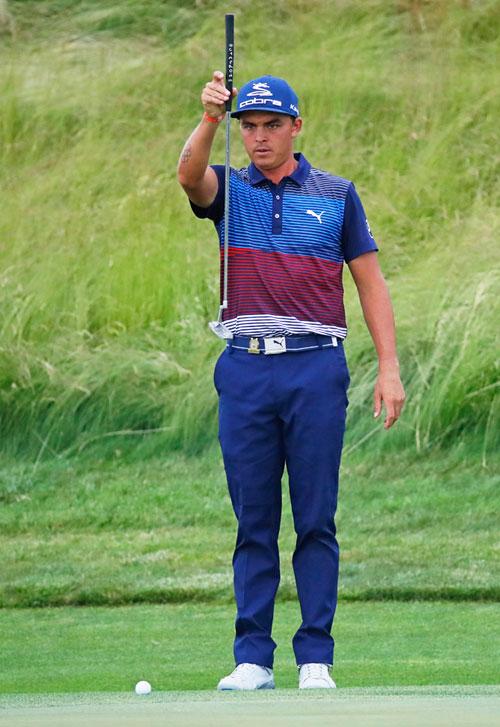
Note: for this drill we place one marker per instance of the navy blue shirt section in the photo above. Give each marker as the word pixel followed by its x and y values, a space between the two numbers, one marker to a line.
pixel 356 234
pixel 216 210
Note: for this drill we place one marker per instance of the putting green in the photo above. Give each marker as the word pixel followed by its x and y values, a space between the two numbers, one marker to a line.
pixel 411 707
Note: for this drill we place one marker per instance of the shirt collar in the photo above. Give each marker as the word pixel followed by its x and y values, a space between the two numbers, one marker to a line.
pixel 298 176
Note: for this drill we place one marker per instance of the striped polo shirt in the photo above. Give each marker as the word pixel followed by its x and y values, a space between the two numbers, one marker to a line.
pixel 287 246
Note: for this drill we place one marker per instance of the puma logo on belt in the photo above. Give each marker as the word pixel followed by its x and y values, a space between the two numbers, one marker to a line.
pixel 318 217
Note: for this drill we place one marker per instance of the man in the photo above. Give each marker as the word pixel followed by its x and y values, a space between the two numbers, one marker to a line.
pixel 282 380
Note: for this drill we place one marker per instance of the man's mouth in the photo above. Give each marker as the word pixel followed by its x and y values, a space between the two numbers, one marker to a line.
pixel 262 150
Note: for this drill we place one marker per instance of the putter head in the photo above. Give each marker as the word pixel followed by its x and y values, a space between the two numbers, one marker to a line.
pixel 220 329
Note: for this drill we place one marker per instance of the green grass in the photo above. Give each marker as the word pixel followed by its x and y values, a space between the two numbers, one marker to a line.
pixel 189 646
pixel 378 707
pixel 116 532
pixel 107 281
pixel 111 489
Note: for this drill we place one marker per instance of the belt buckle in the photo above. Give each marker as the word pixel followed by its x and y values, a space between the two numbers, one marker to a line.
pixel 275 344
pixel 253 346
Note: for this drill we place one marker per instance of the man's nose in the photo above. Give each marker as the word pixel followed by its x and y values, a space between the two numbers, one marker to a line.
pixel 261 134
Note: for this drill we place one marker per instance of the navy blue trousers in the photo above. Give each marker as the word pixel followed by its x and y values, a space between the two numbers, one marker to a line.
pixel 276 409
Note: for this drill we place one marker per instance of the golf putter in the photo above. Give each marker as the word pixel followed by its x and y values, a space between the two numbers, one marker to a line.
pixel 218 326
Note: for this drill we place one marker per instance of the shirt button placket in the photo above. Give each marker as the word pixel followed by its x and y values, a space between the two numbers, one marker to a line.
pixel 277 214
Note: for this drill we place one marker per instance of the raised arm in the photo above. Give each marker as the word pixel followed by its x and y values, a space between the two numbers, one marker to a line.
pixel 377 310
pixel 198 180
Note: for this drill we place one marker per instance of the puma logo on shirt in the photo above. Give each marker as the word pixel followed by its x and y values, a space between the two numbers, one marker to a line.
pixel 318 217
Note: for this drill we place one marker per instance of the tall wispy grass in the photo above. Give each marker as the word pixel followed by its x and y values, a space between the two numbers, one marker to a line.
pixel 106 280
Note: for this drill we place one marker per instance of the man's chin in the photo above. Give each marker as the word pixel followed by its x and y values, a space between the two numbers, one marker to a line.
pixel 264 161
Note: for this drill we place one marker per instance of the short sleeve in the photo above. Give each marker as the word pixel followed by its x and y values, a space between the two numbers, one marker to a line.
pixel 356 234
pixel 216 210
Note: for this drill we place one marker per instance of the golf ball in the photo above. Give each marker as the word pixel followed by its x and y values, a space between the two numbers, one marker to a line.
pixel 143 687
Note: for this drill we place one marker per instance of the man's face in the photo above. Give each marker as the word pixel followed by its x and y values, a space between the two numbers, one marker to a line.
pixel 268 137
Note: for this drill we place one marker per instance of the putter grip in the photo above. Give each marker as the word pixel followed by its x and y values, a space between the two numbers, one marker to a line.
pixel 229 57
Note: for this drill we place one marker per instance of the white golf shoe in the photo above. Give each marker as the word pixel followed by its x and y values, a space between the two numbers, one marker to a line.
pixel 315 676
pixel 248 676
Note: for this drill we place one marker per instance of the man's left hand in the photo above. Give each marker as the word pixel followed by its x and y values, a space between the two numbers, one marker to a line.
pixel 390 391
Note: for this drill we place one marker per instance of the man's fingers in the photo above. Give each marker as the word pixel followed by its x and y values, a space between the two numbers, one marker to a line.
pixel 215 96
pixel 388 391
pixel 389 420
pixel 390 414
pixel 393 412
pixel 216 90
pixel 218 82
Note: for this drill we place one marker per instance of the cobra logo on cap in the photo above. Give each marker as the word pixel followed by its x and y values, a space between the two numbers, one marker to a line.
pixel 260 102
pixel 260 89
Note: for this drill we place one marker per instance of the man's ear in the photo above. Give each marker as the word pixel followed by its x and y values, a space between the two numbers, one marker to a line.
pixel 296 126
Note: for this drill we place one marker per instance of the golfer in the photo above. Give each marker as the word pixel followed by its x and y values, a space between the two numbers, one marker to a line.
pixel 282 379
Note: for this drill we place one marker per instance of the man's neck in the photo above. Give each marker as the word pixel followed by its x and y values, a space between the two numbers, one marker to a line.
pixel 284 170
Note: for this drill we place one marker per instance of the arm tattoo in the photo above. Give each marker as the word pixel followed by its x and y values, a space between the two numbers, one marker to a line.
pixel 187 153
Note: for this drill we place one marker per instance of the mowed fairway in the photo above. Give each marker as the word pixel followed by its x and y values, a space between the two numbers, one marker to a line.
pixel 85 662
pixel 189 646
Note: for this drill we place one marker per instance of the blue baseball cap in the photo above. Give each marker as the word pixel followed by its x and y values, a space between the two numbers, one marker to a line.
pixel 267 93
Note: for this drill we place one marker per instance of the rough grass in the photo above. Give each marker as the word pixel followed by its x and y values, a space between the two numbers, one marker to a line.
pixel 115 532
pixel 106 280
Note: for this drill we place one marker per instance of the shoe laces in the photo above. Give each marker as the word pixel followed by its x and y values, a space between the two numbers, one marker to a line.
pixel 316 671
pixel 245 666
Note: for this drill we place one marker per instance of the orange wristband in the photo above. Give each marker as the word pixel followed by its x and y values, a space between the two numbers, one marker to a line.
pixel 212 119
